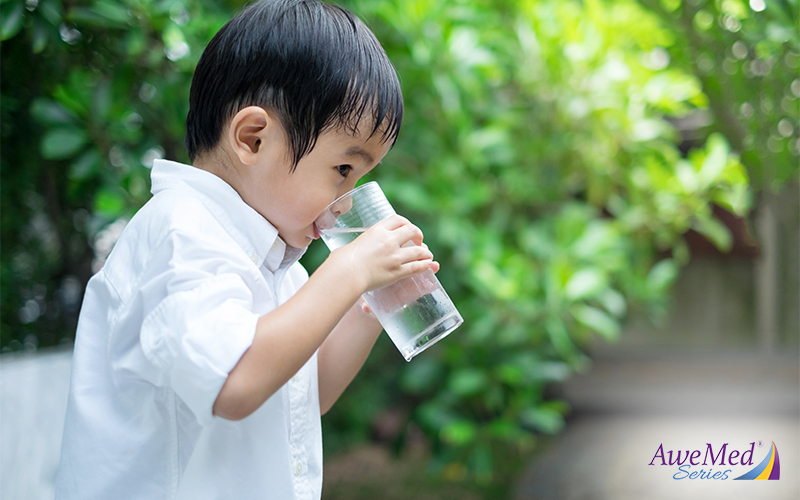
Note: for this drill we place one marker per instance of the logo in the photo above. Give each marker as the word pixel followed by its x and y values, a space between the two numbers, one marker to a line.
pixel 769 468
pixel 715 463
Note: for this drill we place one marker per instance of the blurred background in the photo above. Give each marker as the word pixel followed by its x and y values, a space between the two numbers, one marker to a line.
pixel 611 187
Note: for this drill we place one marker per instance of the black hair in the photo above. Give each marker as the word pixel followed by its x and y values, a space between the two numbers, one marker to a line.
pixel 316 65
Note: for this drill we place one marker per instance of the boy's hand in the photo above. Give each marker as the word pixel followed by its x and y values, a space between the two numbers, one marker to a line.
pixel 366 309
pixel 387 252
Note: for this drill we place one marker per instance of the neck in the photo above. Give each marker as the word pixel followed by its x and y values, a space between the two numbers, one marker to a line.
pixel 221 165
pixel 228 168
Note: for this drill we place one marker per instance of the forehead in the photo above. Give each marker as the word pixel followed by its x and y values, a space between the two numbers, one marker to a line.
pixel 362 144
pixel 363 128
pixel 361 119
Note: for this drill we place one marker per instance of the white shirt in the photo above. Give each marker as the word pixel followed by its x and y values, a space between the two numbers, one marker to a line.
pixel 167 317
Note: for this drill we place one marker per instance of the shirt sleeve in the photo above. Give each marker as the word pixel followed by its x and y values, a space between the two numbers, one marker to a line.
pixel 198 320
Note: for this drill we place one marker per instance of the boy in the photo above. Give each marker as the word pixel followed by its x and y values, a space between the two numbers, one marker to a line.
pixel 205 354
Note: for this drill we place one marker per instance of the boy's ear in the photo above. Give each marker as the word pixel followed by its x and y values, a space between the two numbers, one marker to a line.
pixel 251 130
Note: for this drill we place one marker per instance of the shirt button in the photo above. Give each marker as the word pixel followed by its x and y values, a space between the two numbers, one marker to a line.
pixel 254 258
pixel 298 468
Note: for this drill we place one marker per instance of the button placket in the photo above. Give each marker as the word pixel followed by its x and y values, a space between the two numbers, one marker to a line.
pixel 298 402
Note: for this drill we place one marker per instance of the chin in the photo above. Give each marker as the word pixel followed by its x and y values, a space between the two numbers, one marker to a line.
pixel 300 243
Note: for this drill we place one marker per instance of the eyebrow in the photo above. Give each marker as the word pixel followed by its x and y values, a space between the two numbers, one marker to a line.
pixel 359 151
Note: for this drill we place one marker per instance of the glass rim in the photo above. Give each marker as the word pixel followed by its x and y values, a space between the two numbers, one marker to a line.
pixel 351 193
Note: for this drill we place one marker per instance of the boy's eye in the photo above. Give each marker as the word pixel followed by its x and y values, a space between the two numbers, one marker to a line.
pixel 344 170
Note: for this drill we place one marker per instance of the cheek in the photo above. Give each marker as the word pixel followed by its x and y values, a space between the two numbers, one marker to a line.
pixel 307 208
pixel 320 206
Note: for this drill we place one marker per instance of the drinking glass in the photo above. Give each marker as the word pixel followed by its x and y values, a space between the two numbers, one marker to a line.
pixel 416 312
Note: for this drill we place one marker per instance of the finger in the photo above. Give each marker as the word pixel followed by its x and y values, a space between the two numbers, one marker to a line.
pixel 435 267
pixel 393 222
pixel 407 233
pixel 415 267
pixel 415 253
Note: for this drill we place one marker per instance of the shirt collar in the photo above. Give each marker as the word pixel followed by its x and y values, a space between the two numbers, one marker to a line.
pixel 257 237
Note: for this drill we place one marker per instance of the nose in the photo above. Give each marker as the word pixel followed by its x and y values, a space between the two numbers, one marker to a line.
pixel 327 219
pixel 341 207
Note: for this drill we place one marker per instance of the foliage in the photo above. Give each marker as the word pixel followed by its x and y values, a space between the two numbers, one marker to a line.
pixel 541 155
pixel 553 152
pixel 93 92
pixel 746 56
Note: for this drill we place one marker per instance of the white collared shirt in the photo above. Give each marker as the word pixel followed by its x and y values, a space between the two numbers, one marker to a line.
pixel 167 317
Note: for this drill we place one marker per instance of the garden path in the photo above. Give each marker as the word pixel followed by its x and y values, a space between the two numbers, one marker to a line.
pixel 632 400
pixel 623 408
pixel 33 401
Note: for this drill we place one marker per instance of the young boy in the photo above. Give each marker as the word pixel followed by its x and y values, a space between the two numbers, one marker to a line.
pixel 204 353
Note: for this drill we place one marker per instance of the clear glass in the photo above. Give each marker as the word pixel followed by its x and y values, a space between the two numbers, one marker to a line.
pixel 416 311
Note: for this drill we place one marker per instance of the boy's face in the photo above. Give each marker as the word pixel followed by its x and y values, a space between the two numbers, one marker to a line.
pixel 292 201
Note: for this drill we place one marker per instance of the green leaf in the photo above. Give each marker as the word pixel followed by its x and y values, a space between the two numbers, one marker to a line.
pixel 548 371
pixel 598 237
pixel 662 275
pixel 410 195
pixel 448 92
pixel 597 320
pixel 558 405
pixel 538 242
pixel 102 100
pixel 687 176
pixel 112 11
pixel 487 138
pixel 85 17
pixel 613 302
pixel 13 14
pixel 109 203
pixel 435 415
pixel 585 283
pixel 51 10
pixel 559 337
pixel 49 112
pixel 543 419
pixel 483 328
pixel 781 34
pixel 491 279
pixel 505 429
pixel 738 9
pixel 734 200
pixel 39 36
pixel 715 161
pixel 136 43
pixel 61 143
pixel 482 461
pixel 86 166
pixel 511 374
pixel 715 231
pixel 467 382
pixel 421 376
pixel 459 433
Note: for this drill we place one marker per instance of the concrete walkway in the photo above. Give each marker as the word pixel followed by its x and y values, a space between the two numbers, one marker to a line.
pixel 631 401
pixel 33 402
